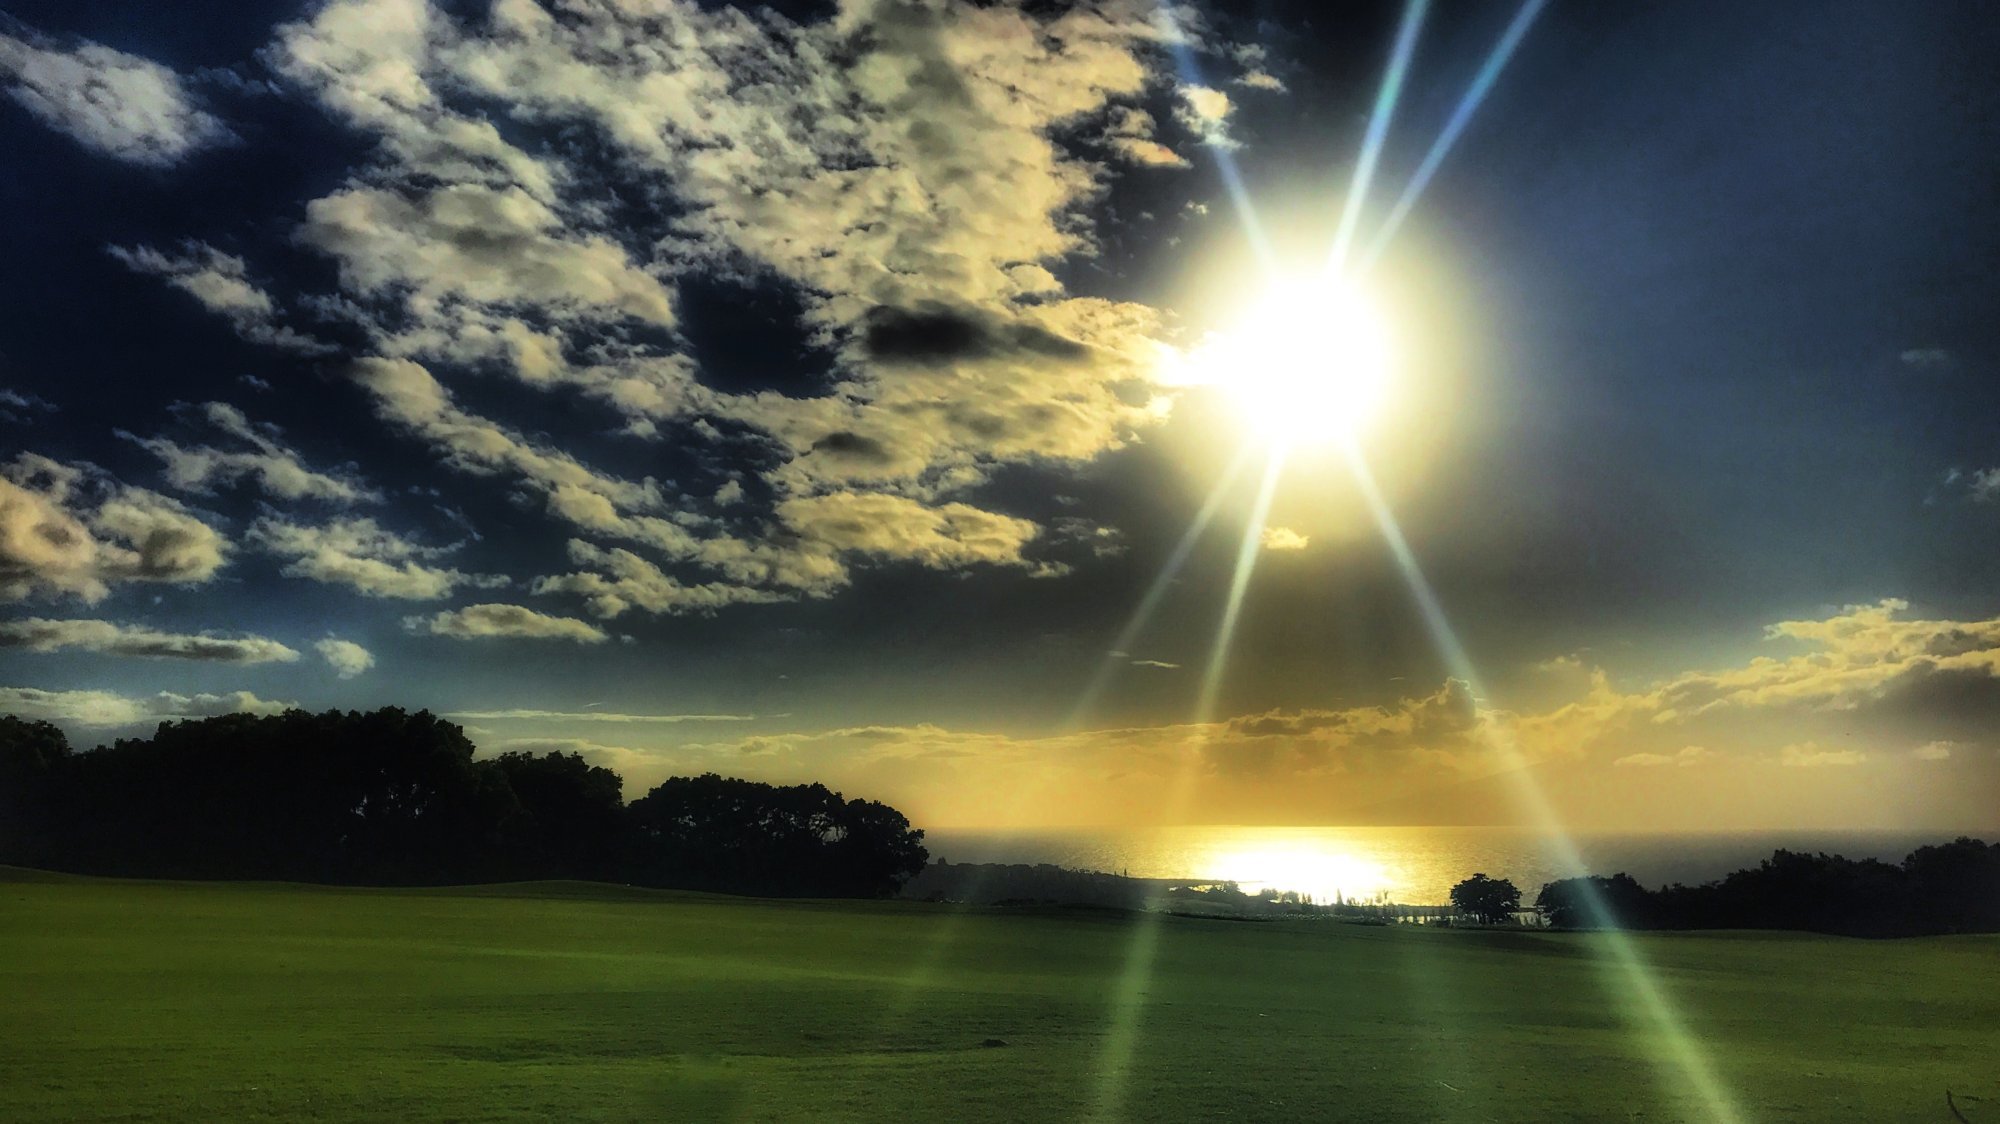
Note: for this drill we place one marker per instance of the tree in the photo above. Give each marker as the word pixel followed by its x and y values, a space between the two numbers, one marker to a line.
pixel 30 754
pixel 1487 900
pixel 741 837
pixel 1617 902
pixel 576 824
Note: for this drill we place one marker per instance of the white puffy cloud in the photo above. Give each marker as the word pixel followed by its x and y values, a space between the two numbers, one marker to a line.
pixel 121 105
pixel 1205 112
pixel 1283 538
pixel 39 634
pixel 277 470
pixel 108 708
pixel 478 622
pixel 71 530
pixel 345 657
pixel 486 245
pixel 364 556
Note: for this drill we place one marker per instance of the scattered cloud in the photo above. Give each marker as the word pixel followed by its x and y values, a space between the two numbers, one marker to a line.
pixel 1810 755
pixel 1934 751
pixel 1130 133
pixel 592 716
pixel 107 708
pixel 366 557
pixel 277 470
pixel 72 530
pixel 221 283
pixel 1162 664
pixel 479 622
pixel 121 105
pixel 345 657
pixel 1687 756
pixel 17 407
pixel 38 634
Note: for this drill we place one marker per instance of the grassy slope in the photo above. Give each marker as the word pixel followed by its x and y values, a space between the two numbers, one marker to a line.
pixel 130 1000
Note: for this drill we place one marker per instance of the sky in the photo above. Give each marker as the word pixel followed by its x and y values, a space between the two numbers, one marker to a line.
pixel 831 393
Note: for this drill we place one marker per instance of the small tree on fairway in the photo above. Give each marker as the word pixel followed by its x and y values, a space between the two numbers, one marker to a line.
pixel 1490 900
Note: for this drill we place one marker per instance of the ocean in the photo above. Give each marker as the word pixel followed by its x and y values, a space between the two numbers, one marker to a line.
pixel 1412 865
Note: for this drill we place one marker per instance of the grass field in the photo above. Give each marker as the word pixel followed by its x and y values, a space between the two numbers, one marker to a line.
pixel 179 1001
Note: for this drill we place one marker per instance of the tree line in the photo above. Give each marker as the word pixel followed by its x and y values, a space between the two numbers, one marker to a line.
pixel 389 797
pixel 1937 889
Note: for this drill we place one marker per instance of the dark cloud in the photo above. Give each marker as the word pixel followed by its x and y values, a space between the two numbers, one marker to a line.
pixel 934 332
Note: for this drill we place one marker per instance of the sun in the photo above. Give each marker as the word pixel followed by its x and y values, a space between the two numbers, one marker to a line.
pixel 1307 362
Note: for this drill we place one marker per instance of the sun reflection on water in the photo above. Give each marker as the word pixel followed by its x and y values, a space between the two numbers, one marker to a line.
pixel 1305 865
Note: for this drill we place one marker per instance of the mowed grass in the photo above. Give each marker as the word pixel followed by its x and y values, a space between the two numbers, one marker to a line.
pixel 183 1001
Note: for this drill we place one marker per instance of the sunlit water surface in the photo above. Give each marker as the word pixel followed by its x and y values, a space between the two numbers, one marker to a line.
pixel 1402 864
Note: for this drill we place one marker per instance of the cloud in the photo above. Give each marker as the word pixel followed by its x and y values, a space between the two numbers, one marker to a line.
pixel 1205 112
pixel 1983 484
pixel 38 634
pixel 478 622
pixel 1256 76
pixel 222 284
pixel 1162 664
pixel 895 167
pixel 345 657
pixel 276 469
pixel 18 407
pixel 1810 755
pixel 625 581
pixel 1687 756
pixel 73 530
pixel 480 244
pixel 1934 751
pixel 106 708
pixel 364 556
pixel 1129 132
pixel 1929 359
pixel 592 716
pixel 1283 538
pixel 884 526
pixel 121 105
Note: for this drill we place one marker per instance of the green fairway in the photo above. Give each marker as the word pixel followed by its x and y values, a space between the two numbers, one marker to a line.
pixel 178 1001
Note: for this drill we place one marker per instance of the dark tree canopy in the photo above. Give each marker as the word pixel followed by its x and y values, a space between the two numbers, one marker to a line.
pixel 715 833
pixel 391 797
pixel 1489 900
pixel 1948 888
pixel 1592 902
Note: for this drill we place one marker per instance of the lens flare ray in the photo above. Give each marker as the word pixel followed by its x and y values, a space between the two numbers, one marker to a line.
pixel 1378 128
pixel 1632 973
pixel 1482 84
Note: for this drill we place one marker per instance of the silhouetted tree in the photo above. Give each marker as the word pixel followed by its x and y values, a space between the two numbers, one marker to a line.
pixel 576 822
pixel 737 836
pixel 1617 902
pixel 30 754
pixel 1955 888
pixel 1490 900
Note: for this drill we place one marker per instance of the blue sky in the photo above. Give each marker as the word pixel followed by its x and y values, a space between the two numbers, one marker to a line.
pixel 790 395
